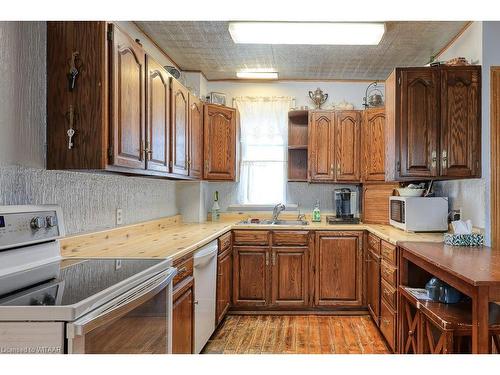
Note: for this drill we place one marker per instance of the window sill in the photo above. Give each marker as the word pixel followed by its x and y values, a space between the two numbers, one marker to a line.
pixel 259 207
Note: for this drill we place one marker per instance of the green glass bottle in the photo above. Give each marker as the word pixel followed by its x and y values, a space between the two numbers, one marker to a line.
pixel 316 214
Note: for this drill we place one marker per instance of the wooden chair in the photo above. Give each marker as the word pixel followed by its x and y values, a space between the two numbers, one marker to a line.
pixel 435 328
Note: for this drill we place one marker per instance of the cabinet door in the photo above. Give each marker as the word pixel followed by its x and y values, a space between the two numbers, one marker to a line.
pixel 251 276
pixel 158 117
pixel 290 276
pixel 224 282
pixel 180 129
pixel 183 318
pixel 460 121
pixel 219 143
pixel 348 145
pixel 419 119
pixel 373 145
pixel 321 142
pixel 338 278
pixel 195 137
pixel 373 285
pixel 127 103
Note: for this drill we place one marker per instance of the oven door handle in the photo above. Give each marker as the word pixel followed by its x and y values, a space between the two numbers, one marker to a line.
pixel 120 306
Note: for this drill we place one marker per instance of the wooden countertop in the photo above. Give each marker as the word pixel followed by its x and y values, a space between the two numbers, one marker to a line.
pixel 474 265
pixel 171 238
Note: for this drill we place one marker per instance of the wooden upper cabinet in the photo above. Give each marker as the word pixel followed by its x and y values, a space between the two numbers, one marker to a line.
pixel 373 145
pixel 433 123
pixel 219 143
pixel 290 275
pixel 321 146
pixel 180 128
pixel 347 146
pixel 195 161
pixel 338 271
pixel 460 154
pixel 158 117
pixel 127 101
pixel 419 117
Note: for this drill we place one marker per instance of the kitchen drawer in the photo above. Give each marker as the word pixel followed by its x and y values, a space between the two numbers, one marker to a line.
pixel 224 242
pixel 388 324
pixel 374 243
pixel 251 237
pixel 389 273
pixel 184 270
pixel 290 238
pixel 389 294
pixel 388 252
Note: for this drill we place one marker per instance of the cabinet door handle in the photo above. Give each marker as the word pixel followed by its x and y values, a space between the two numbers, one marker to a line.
pixel 267 259
pixel 444 159
pixel 274 259
pixel 434 158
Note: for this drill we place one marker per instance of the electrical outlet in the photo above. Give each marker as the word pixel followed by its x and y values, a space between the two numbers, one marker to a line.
pixel 119 217
pixel 456 214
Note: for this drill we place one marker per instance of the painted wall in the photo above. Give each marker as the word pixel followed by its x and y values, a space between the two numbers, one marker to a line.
pixel 89 200
pixel 479 43
pixel 352 92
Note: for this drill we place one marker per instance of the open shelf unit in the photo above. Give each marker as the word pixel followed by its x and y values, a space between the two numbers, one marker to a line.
pixel 297 145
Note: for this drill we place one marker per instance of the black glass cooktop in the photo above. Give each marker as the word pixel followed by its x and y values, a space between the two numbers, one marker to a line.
pixel 76 280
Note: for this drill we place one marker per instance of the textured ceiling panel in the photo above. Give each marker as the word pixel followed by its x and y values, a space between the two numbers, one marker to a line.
pixel 208 47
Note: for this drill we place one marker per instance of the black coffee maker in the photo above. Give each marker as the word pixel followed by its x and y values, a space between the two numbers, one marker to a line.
pixel 345 202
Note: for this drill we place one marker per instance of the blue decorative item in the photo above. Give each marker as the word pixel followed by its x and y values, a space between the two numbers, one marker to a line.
pixel 473 239
pixel 439 291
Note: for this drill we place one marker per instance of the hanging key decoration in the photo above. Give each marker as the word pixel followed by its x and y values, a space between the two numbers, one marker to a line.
pixel 71 130
pixel 73 70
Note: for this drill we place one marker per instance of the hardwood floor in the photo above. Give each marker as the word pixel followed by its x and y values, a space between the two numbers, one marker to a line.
pixel 296 334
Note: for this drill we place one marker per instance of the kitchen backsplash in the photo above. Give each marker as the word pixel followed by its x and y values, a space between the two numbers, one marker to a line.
pixel 300 193
pixel 89 200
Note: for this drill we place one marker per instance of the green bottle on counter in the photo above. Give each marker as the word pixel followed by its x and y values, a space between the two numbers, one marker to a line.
pixel 316 215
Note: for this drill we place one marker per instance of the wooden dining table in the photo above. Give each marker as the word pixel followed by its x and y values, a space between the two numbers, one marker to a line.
pixel 474 271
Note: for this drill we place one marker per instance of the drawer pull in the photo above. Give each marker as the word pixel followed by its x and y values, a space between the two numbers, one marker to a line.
pixel 181 270
pixel 385 321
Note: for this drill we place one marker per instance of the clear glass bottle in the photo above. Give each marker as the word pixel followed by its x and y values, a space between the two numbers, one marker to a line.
pixel 216 208
pixel 316 214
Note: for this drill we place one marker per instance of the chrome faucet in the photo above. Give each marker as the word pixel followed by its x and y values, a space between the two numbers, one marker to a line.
pixel 277 210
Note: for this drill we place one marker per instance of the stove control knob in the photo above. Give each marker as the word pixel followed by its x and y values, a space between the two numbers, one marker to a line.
pixel 51 221
pixel 38 222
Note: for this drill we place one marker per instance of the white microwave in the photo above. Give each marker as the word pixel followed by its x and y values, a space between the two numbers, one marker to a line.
pixel 419 214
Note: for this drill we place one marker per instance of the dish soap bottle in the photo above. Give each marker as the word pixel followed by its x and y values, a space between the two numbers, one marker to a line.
pixel 316 214
pixel 216 208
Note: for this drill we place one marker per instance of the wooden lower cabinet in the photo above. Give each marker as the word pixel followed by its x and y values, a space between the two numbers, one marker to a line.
pixel 251 275
pixel 271 277
pixel 183 317
pixel 224 282
pixel 338 269
pixel 388 323
pixel 373 285
pixel 290 274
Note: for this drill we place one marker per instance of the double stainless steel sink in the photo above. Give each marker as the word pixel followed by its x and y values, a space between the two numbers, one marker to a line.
pixel 274 222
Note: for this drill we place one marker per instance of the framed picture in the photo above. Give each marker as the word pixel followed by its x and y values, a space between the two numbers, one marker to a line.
pixel 218 98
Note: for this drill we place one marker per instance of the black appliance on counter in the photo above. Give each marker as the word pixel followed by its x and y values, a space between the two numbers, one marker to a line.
pixel 346 207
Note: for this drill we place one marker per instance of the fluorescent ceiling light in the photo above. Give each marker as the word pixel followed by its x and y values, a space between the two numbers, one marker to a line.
pixel 324 33
pixel 257 75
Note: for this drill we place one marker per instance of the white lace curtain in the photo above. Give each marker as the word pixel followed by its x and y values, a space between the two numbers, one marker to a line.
pixel 264 131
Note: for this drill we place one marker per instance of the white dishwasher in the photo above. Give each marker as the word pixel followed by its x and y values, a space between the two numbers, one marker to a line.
pixel 205 278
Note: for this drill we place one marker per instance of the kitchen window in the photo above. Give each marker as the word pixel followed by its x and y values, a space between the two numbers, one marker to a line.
pixel 264 124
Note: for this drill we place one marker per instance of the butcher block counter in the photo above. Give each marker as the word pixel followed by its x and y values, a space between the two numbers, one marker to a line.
pixel 172 238
pixel 475 271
